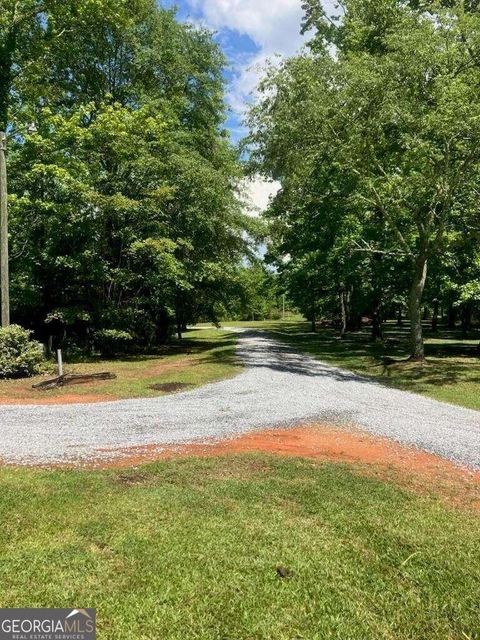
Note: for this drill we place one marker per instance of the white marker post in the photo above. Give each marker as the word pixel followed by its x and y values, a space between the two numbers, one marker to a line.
pixel 60 363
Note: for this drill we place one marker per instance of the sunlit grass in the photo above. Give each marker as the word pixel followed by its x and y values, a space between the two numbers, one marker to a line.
pixel 189 549
pixel 203 356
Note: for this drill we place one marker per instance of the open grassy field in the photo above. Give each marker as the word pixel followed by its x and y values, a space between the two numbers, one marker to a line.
pixel 189 549
pixel 451 374
pixel 203 356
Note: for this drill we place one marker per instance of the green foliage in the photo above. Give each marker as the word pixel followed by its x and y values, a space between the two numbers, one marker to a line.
pixel 112 342
pixel 19 355
pixel 123 206
pixel 375 136
pixel 256 295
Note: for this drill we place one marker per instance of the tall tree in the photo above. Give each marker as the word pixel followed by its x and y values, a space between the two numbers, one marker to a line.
pixel 387 98
pixel 124 206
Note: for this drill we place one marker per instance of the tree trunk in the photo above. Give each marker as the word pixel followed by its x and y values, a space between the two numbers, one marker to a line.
pixel 399 316
pixel 4 257
pixel 415 307
pixel 452 316
pixel 435 316
pixel 314 316
pixel 343 313
pixel 376 324
pixel 466 321
pixel 6 65
pixel 354 319
pixel 162 328
pixel 179 313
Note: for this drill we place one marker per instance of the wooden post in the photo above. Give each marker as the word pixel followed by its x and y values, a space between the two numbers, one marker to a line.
pixel 4 275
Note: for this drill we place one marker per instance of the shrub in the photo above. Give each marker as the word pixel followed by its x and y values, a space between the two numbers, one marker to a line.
pixel 275 314
pixel 19 355
pixel 111 342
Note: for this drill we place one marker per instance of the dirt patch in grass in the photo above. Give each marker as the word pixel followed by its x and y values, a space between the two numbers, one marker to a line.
pixel 131 478
pixel 371 455
pixel 171 387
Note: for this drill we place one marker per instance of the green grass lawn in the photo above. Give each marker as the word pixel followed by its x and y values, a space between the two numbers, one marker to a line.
pixel 205 355
pixel 452 372
pixel 189 549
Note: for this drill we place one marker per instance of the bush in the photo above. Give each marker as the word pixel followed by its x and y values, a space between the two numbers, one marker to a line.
pixel 275 314
pixel 111 342
pixel 19 355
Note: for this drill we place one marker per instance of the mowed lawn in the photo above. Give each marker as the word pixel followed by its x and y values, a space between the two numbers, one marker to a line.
pixel 451 373
pixel 189 549
pixel 203 356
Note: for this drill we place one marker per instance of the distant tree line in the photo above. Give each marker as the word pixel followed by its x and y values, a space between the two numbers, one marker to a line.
pixel 259 294
pixel 124 205
pixel 374 134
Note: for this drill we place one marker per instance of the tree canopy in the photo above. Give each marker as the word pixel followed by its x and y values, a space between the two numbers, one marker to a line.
pixel 374 134
pixel 125 208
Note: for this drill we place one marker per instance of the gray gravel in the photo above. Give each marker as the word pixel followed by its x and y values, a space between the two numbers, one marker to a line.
pixel 278 388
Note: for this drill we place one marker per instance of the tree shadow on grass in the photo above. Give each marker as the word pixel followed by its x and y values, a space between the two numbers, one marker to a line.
pixel 440 374
pixel 185 347
pixel 451 362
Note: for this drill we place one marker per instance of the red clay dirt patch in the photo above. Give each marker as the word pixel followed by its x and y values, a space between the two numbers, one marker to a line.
pixel 67 398
pixel 371 455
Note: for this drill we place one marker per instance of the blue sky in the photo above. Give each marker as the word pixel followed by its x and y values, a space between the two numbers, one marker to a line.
pixel 250 32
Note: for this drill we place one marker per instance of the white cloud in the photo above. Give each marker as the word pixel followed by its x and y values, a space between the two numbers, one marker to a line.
pixel 274 26
pixel 258 194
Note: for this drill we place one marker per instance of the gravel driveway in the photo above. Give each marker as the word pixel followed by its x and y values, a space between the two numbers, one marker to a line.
pixel 278 388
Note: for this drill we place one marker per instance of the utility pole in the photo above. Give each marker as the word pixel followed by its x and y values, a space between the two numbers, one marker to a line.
pixel 4 275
